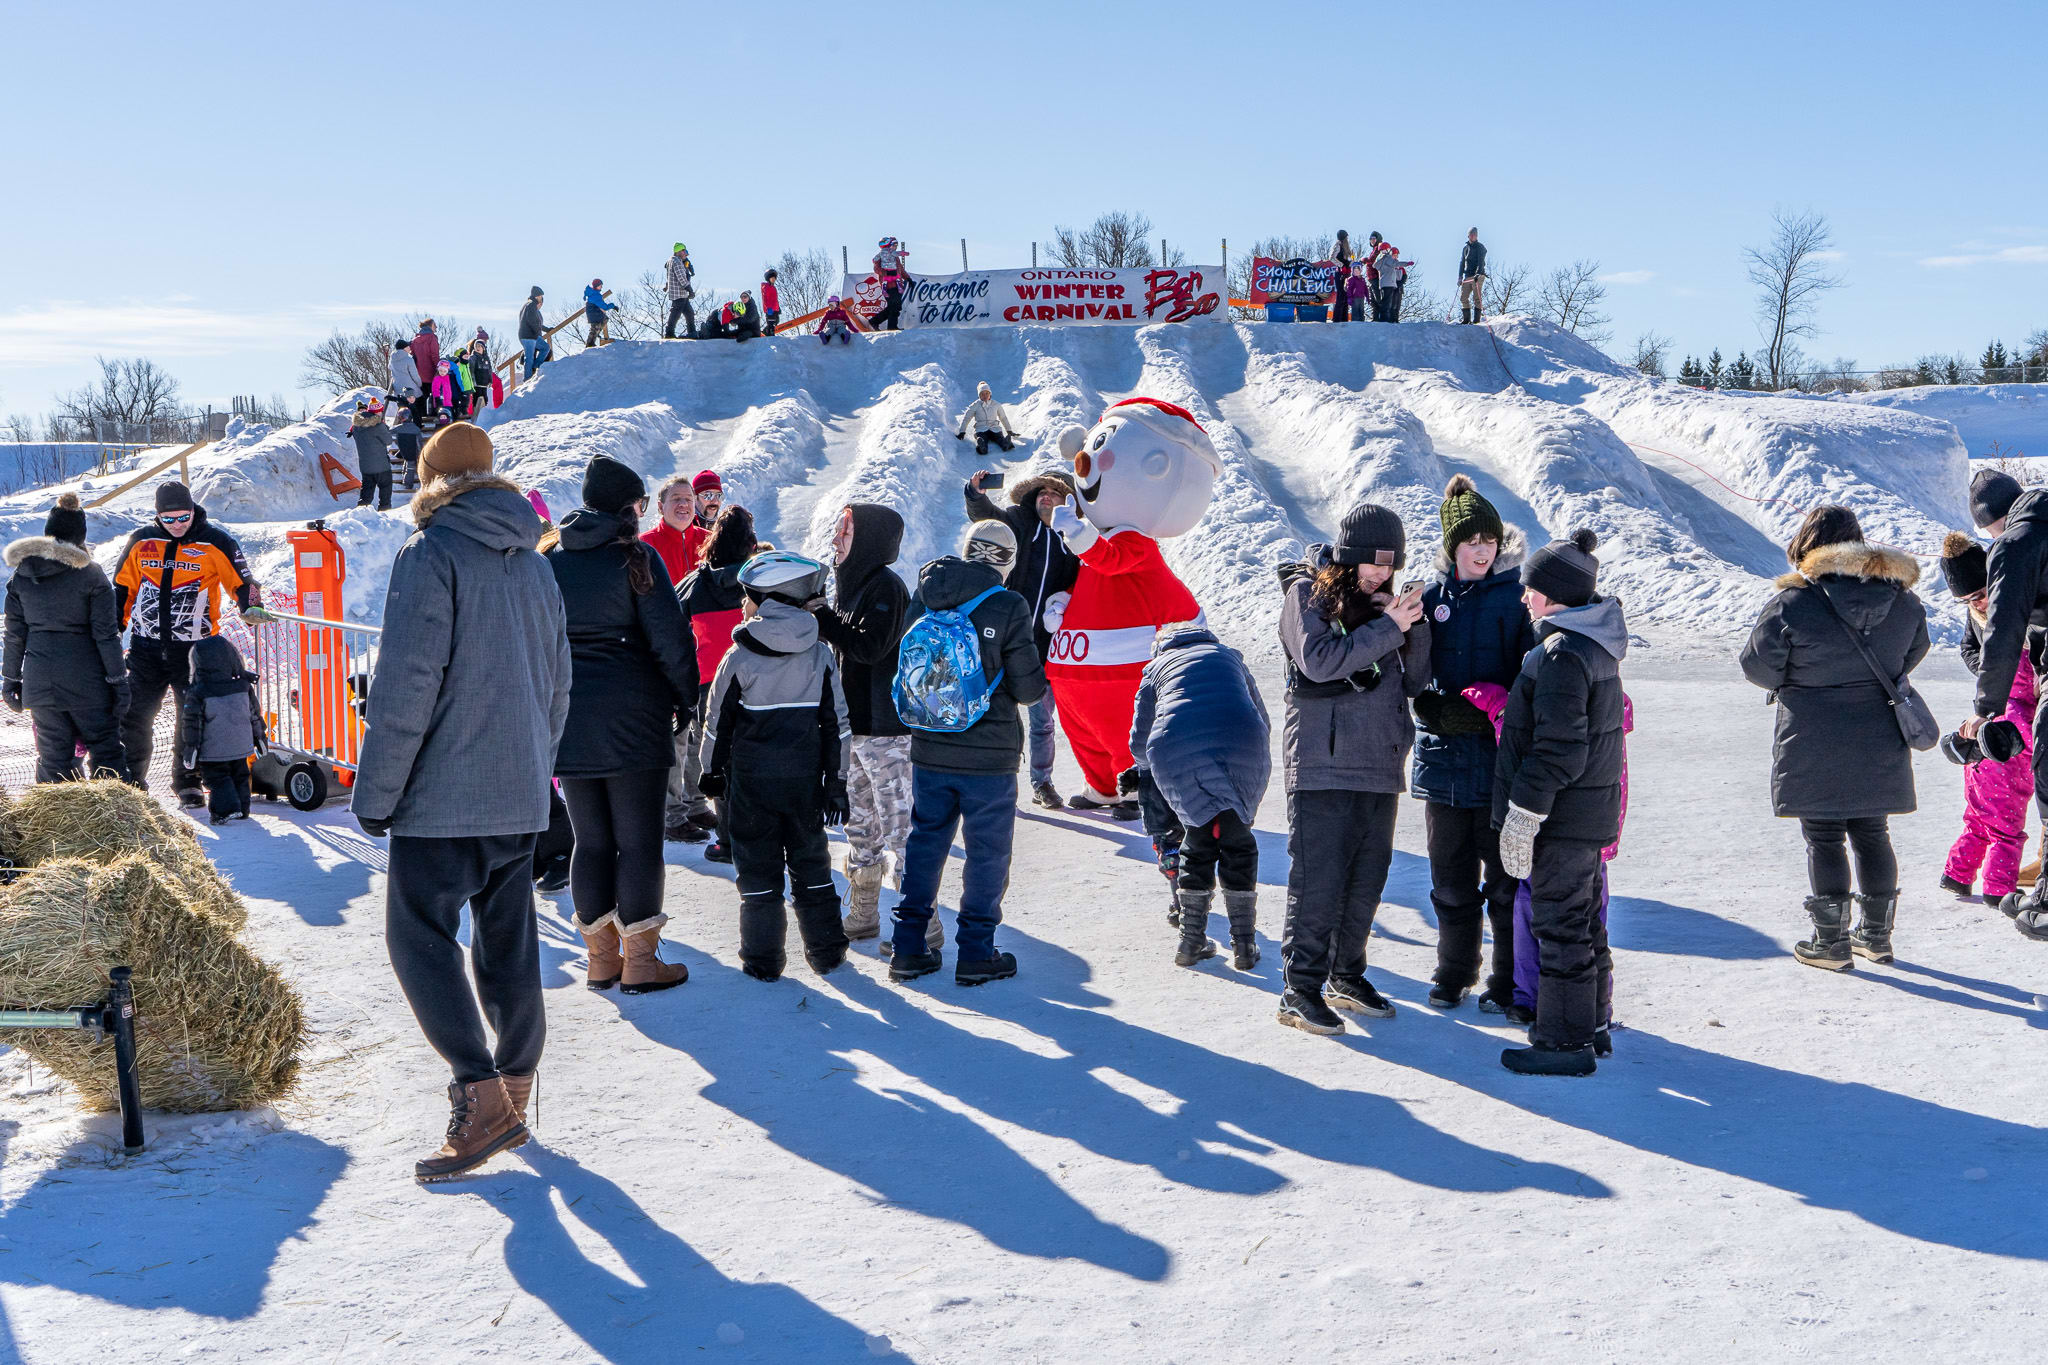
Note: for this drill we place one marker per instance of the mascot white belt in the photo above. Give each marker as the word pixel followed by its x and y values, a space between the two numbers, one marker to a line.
pixel 1144 472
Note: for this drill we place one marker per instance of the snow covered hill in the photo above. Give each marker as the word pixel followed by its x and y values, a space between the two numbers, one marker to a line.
pixel 1692 493
pixel 2012 416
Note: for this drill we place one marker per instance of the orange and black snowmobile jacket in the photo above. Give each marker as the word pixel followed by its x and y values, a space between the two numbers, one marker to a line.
pixel 168 588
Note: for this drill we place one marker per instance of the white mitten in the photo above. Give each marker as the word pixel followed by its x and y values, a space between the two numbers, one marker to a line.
pixel 1072 527
pixel 1518 841
pixel 1056 610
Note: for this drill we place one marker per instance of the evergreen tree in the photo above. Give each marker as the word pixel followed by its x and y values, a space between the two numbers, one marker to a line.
pixel 1994 362
pixel 1741 374
pixel 1690 373
pixel 1713 370
pixel 1923 371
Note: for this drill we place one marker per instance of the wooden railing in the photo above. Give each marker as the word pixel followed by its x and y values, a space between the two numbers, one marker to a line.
pixel 180 460
pixel 510 365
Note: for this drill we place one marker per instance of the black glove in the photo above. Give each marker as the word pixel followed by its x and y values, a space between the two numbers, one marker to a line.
pixel 1444 714
pixel 1959 751
pixel 376 829
pixel 1127 781
pixel 712 785
pixel 837 809
pixel 10 692
pixel 2001 740
pixel 684 715
pixel 124 696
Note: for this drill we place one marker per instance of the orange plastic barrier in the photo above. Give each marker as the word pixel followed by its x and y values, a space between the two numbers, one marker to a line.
pixel 331 724
pixel 339 480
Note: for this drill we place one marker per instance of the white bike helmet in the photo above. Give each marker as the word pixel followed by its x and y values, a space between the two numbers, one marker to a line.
pixel 784 576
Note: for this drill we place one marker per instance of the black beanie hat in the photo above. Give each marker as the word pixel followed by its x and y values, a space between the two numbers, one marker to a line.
pixel 66 520
pixel 1370 534
pixel 172 496
pixel 610 486
pixel 1992 494
pixel 1564 570
pixel 1965 567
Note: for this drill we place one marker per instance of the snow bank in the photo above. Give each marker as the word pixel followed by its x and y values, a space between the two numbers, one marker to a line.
pixel 1692 493
pixel 2013 417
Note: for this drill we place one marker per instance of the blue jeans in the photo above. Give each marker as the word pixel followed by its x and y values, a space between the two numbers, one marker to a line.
pixel 984 807
pixel 535 350
pixel 1043 716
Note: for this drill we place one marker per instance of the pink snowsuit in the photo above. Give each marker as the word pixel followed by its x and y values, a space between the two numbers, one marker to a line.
pixel 1995 797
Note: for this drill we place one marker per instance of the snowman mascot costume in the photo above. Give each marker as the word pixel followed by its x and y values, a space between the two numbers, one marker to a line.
pixel 1145 471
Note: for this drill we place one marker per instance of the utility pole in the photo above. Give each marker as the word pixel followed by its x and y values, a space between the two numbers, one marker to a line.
pixel 963 253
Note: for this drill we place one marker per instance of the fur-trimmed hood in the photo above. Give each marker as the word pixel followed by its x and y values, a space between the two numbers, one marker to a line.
pixel 60 552
pixel 487 508
pixel 1855 559
pixel 1026 493
pixel 1514 548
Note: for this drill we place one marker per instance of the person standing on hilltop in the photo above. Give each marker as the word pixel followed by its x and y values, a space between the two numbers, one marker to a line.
pixel 533 332
pixel 167 593
pixel 1343 256
pixel 1471 278
pixel 680 287
pixel 892 270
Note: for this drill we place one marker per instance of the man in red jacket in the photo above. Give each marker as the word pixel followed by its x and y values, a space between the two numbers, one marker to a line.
pixel 688 507
pixel 426 357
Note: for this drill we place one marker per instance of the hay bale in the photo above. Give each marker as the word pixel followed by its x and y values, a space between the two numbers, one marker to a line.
pixel 102 821
pixel 216 1027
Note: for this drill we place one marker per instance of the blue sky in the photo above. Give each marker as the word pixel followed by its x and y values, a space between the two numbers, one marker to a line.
pixel 218 185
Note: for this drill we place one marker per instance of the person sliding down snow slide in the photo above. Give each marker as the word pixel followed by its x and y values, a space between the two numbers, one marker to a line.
pixel 1146 470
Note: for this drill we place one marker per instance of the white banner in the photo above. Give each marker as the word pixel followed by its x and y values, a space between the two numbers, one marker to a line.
pixel 1125 296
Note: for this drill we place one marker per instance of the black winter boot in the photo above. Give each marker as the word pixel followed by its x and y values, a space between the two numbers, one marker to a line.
pixel 1306 1011
pixel 1828 949
pixel 1536 1060
pixel 1194 927
pixel 1873 935
pixel 1243 909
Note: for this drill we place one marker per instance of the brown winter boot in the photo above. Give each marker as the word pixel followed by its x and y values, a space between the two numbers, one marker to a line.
pixel 602 941
pixel 519 1089
pixel 481 1124
pixel 645 971
pixel 863 900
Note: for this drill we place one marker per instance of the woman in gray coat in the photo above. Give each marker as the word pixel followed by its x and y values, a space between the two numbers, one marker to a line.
pixel 1356 655
pixel 1839 764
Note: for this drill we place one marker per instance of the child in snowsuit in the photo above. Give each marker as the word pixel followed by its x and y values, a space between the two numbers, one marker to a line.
pixel 478 363
pixel 1199 729
pixel 373 454
pixel 223 726
pixel 892 269
pixel 406 433
pixel 1358 294
pixel 771 303
pixel 1995 794
pixel 597 311
pixel 63 659
pixel 1494 700
pixel 1557 796
pixel 775 753
pixel 444 391
pixel 836 322
pixel 1356 654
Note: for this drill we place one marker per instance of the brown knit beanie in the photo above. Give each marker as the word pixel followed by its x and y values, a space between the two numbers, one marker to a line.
pixel 456 449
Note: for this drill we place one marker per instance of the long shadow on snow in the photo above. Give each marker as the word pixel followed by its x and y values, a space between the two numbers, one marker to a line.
pixel 680 1299
pixel 110 1232
pixel 1892 1160
pixel 791 1078
pixel 281 864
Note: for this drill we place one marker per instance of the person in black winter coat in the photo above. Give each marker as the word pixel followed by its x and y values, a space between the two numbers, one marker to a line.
pixel 775 755
pixel 1839 764
pixel 1045 569
pixel 223 726
pixel 633 685
pixel 1479 633
pixel 968 780
pixel 372 436
pixel 1557 796
pixel 1356 653
pixel 864 628
pixel 63 654
pixel 2015 618
pixel 1471 278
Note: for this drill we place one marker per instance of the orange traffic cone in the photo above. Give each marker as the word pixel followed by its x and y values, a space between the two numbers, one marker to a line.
pixel 339 480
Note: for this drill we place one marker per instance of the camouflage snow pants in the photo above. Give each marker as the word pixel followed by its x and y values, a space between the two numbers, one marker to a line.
pixel 878 790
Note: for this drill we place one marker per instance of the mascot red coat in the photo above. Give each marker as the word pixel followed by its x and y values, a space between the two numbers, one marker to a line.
pixel 1142 473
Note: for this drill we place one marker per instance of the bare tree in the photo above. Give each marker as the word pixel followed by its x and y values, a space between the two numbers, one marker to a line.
pixel 1837 376
pixel 129 393
pixel 1421 304
pixel 346 361
pixel 1507 289
pixel 642 310
pixel 1570 296
pixel 805 281
pixel 1115 238
pixel 1790 275
pixel 1652 350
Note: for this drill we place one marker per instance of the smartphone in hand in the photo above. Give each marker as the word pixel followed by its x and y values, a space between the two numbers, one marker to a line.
pixel 988 483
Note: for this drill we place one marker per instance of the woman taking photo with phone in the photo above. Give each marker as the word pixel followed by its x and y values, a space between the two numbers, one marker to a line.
pixel 1355 655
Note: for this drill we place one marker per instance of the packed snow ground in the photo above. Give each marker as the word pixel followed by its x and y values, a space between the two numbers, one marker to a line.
pixel 1110 1158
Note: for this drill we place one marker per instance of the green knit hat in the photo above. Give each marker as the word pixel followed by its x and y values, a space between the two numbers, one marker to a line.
pixel 1465 514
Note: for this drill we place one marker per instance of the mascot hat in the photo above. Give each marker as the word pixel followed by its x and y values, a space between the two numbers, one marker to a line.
pixel 1146 464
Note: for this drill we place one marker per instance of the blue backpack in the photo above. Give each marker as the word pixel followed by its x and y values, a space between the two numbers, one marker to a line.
pixel 939 683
